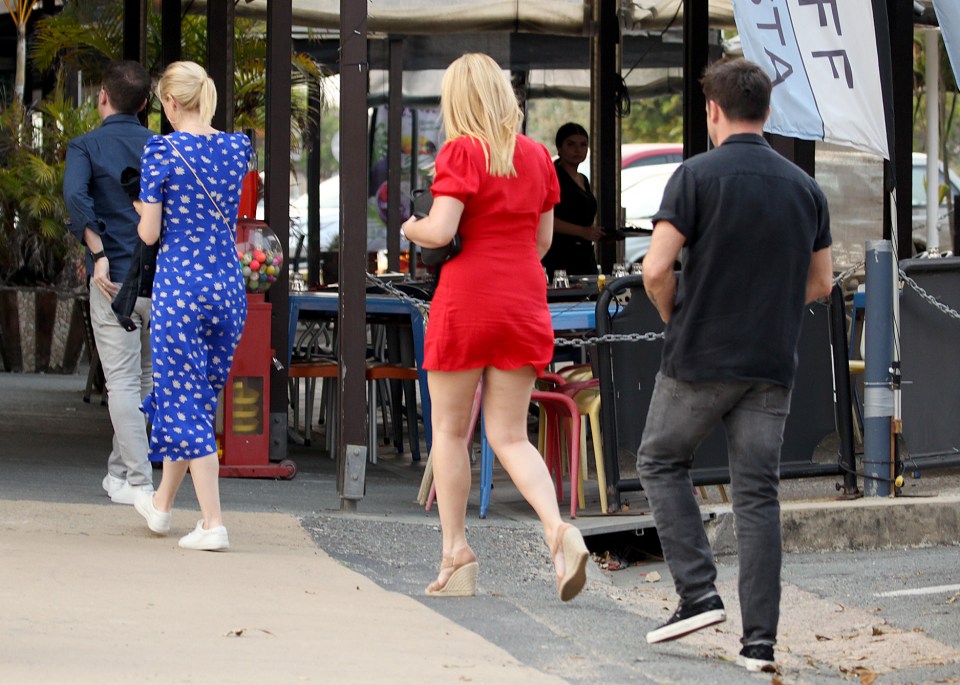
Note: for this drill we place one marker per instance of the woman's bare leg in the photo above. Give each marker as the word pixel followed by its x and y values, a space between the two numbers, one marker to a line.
pixel 205 472
pixel 173 473
pixel 506 400
pixel 451 396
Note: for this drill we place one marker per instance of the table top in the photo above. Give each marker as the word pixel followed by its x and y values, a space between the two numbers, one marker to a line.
pixel 566 316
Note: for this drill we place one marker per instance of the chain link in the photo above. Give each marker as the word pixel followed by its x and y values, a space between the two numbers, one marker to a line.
pixel 952 313
pixel 420 305
pixel 608 338
pixel 838 280
pixel 424 309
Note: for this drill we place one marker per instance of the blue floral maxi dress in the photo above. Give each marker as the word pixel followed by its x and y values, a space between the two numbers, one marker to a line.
pixel 199 301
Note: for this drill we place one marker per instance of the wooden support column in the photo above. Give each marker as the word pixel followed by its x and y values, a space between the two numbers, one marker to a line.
pixel 394 134
pixel 220 37
pixel 277 202
pixel 313 189
pixel 352 320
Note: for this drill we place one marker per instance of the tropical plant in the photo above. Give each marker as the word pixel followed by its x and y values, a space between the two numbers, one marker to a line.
pixel 87 34
pixel 35 247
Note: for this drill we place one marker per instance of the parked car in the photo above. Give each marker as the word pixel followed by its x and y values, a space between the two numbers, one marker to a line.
pixel 650 154
pixel 918 205
pixel 641 189
pixel 329 224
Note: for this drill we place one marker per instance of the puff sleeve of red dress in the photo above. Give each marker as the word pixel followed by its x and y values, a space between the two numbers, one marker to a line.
pixel 490 306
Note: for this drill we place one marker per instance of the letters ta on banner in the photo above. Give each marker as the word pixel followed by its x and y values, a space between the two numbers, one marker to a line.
pixel 822 58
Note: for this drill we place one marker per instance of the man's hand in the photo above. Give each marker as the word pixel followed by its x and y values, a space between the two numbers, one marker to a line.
pixel 101 278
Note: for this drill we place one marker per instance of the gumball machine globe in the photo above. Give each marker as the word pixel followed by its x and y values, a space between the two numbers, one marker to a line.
pixel 261 258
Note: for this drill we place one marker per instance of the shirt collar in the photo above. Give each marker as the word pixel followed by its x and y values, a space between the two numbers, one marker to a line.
pixel 121 119
pixel 746 138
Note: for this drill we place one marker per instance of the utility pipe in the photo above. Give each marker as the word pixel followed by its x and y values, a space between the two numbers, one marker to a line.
pixel 878 395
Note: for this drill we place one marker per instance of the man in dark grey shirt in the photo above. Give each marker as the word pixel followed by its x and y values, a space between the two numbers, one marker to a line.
pixel 757 237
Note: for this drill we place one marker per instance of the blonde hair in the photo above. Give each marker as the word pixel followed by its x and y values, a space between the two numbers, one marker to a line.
pixel 189 85
pixel 478 101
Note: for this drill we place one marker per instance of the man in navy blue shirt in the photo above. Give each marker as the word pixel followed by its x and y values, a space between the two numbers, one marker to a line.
pixel 757 235
pixel 103 218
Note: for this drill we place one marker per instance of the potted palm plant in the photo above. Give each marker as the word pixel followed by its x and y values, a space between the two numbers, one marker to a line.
pixel 41 265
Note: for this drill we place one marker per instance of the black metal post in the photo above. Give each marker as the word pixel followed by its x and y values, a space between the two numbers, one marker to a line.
pixel 277 203
pixel 842 397
pixel 900 18
pixel 605 127
pixel 696 25
pixel 170 37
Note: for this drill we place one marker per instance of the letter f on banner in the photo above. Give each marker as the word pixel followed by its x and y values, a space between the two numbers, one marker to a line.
pixel 822 58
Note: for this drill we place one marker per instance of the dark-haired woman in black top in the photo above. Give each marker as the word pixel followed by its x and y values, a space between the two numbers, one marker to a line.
pixel 573 228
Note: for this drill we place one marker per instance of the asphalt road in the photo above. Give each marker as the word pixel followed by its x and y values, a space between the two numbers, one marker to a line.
pixel 836 626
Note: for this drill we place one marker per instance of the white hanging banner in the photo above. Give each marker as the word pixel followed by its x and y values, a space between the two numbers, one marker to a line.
pixel 948 15
pixel 822 58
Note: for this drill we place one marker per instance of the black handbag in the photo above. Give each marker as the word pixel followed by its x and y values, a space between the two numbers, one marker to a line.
pixel 433 256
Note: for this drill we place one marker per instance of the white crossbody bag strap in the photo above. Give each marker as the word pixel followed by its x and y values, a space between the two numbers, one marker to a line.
pixel 196 176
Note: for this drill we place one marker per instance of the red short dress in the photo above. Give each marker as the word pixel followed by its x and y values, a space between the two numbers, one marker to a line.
pixel 490 306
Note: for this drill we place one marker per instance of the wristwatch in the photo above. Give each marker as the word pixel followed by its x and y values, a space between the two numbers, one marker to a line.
pixel 97 255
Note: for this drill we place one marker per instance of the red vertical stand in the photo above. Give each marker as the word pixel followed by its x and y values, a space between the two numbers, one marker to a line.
pixel 245 437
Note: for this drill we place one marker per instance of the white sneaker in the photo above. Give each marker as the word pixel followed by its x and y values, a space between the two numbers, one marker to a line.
pixel 157 521
pixel 128 494
pixel 111 484
pixel 210 540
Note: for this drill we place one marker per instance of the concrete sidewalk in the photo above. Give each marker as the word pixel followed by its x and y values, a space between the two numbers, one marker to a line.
pixel 88 595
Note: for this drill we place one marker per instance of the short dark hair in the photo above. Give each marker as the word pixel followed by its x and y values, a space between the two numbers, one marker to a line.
pixel 740 87
pixel 127 84
pixel 570 129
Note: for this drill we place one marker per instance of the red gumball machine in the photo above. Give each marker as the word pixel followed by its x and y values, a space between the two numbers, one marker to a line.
pixel 244 416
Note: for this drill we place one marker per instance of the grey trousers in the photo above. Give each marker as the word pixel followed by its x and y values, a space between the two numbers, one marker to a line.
pixel 128 370
pixel 754 413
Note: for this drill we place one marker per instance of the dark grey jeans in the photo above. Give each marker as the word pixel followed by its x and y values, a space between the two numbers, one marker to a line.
pixel 754 413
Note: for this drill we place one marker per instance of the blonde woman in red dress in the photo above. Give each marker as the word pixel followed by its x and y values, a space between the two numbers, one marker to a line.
pixel 489 318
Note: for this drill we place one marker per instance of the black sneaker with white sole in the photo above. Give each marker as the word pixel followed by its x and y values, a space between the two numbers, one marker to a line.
pixel 689 618
pixel 757 658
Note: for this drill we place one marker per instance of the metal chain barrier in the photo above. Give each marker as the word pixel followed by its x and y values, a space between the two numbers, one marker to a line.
pixel 843 276
pixel 420 305
pixel 952 313
pixel 608 338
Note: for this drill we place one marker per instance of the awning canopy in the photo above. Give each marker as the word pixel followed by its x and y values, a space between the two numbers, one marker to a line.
pixel 557 17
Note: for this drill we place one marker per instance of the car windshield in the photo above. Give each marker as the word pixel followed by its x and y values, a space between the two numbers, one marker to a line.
pixel 641 191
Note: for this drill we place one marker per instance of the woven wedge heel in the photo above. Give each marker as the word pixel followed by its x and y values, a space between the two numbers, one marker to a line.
pixel 463 581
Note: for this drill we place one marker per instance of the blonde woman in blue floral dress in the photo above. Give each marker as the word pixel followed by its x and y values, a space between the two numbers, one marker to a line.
pixel 189 191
